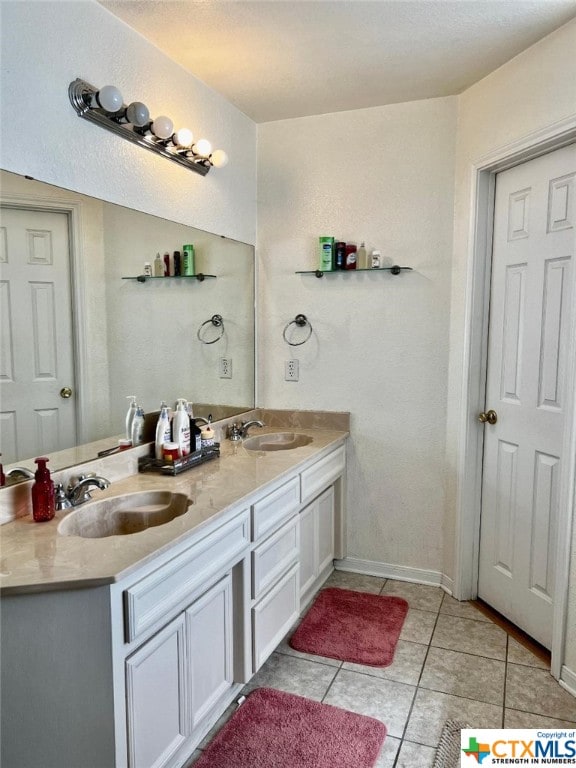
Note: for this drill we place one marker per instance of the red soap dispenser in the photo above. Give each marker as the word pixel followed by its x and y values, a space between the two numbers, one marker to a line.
pixel 2 475
pixel 43 502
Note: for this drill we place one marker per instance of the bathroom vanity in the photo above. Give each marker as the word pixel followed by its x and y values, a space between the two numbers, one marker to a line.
pixel 123 651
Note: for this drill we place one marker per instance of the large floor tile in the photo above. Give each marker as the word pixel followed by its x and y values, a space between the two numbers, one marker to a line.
pixel 463 674
pixel 406 667
pixel 535 690
pixel 418 626
pixel 292 675
pixel 464 609
pixel 518 654
pixel 515 719
pixel 388 754
pixel 356 581
pixel 432 709
pixel 385 700
pixel 470 636
pixel 412 755
pixel 419 596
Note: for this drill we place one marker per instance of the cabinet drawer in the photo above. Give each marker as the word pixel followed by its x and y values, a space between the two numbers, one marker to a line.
pixel 274 615
pixel 322 473
pixel 273 557
pixel 271 511
pixel 167 589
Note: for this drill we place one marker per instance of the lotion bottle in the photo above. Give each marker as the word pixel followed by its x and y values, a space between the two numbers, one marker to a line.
pixel 138 426
pixel 181 428
pixel 163 431
pixel 130 415
pixel 43 499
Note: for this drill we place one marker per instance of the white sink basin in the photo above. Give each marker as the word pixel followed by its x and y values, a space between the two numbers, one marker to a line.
pixel 276 441
pixel 123 515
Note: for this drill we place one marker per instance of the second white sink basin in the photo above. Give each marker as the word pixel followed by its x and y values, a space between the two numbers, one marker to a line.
pixel 122 515
pixel 276 441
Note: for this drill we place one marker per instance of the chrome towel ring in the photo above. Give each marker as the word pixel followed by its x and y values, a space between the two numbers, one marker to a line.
pixel 300 321
pixel 217 322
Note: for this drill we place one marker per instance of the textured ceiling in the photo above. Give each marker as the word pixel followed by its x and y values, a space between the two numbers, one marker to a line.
pixel 279 59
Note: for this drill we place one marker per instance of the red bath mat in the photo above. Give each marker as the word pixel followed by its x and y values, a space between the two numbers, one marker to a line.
pixel 352 626
pixel 273 729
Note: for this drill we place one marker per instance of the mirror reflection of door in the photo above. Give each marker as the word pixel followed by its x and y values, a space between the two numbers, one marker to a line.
pixel 38 411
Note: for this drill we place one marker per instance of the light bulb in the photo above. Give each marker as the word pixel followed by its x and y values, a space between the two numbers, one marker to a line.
pixel 219 158
pixel 202 147
pixel 109 98
pixel 183 138
pixel 138 114
pixel 162 127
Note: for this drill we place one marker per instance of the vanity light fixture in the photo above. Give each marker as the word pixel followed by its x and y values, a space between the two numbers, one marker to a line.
pixel 106 108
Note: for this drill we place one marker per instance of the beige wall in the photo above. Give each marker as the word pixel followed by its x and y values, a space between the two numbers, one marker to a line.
pixel 379 347
pixel 534 90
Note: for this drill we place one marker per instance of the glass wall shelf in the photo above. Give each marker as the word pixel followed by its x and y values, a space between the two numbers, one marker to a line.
pixel 200 277
pixel 394 270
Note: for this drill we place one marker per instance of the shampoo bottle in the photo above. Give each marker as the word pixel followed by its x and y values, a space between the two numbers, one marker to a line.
pixel 43 500
pixel 130 415
pixel 158 266
pixel 362 257
pixel 163 431
pixel 195 436
pixel 138 426
pixel 181 428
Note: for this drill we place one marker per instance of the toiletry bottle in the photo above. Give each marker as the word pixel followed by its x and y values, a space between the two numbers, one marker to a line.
pixel 148 269
pixel 361 257
pixel 43 497
pixel 177 264
pixel 375 260
pixel 2 475
pixel 207 437
pixel 138 426
pixel 188 260
pixel 166 264
pixel 158 266
pixel 339 255
pixel 181 428
pixel 326 253
pixel 130 415
pixel 163 431
pixel 195 436
pixel 350 256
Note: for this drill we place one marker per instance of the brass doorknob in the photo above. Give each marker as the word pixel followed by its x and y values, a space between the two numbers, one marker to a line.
pixel 65 392
pixel 488 416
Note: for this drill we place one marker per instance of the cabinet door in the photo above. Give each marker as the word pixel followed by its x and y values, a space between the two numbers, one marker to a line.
pixel 273 616
pixel 308 547
pixel 325 512
pixel 156 698
pixel 209 632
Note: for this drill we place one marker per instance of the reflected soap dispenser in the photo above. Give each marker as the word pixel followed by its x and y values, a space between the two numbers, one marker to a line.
pixel 43 497
pixel 130 415
pixel 137 435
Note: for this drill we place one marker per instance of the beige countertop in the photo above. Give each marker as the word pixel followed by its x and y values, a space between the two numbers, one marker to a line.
pixel 35 557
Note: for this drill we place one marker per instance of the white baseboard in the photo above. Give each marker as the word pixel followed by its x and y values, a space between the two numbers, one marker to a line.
pixel 568 680
pixel 399 572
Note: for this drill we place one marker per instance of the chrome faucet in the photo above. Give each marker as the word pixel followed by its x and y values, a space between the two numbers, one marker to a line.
pixel 79 492
pixel 239 431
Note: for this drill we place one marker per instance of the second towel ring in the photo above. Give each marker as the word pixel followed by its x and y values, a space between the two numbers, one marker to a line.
pixel 217 322
pixel 300 321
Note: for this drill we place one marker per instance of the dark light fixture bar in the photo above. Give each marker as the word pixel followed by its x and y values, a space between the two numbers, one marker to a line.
pixel 106 108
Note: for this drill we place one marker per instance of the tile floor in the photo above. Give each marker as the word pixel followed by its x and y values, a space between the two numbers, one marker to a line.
pixel 451 662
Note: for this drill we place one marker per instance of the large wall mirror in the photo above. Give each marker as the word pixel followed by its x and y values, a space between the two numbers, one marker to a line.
pixel 80 333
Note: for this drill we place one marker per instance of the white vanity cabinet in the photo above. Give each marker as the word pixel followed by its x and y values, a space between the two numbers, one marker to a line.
pixel 275 569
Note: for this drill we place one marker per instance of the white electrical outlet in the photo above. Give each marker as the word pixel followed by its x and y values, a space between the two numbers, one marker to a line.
pixel 225 367
pixel 291 370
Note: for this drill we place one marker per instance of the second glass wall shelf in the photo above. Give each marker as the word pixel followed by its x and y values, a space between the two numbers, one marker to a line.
pixel 394 270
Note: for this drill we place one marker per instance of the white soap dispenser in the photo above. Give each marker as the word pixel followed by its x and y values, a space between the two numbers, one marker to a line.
pixel 130 415
pixel 181 428
pixel 163 430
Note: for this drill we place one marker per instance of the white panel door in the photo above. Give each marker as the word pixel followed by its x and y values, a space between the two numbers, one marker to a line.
pixel 528 347
pixel 36 358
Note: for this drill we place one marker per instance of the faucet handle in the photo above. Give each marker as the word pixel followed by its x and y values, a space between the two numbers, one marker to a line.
pixel 61 499
pixel 235 432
